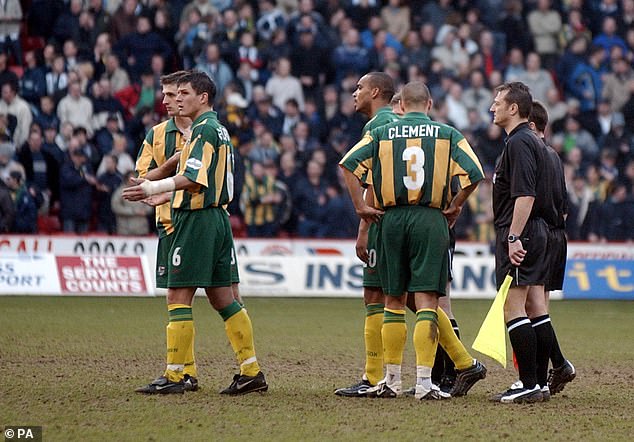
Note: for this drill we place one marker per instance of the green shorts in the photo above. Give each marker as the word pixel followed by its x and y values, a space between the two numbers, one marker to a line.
pixel 162 259
pixel 235 274
pixel 412 250
pixel 200 255
pixel 370 270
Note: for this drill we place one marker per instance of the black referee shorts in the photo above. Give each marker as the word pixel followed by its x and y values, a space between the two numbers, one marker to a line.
pixel 557 253
pixel 534 268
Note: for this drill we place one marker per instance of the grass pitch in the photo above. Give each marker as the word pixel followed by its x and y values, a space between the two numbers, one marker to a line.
pixel 71 365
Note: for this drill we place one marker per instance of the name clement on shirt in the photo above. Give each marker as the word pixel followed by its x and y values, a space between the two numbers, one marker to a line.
pixel 419 131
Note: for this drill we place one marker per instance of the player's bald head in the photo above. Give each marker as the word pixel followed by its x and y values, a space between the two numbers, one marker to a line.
pixel 415 96
pixel 383 82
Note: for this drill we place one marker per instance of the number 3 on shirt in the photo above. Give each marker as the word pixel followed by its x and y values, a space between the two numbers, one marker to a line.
pixel 415 158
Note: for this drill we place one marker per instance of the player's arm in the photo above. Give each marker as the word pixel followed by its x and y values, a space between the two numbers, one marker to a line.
pixel 145 188
pixel 521 212
pixel 166 169
pixel 355 165
pixel 455 207
pixel 364 226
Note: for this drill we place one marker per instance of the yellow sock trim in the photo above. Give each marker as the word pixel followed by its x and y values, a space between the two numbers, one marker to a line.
pixel 425 337
pixel 394 333
pixel 451 344
pixel 240 333
pixel 373 347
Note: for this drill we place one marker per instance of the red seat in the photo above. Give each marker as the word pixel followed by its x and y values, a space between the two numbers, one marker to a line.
pixel 48 224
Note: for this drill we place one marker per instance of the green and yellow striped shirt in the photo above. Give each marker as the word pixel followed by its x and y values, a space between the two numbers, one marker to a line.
pixel 161 142
pixel 207 160
pixel 412 161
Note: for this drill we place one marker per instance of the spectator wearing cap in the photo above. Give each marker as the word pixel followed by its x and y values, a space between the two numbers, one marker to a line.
pixel 138 47
pixel 211 64
pixel 76 191
pixel 76 108
pixel 12 103
pixel 26 200
pixel 50 145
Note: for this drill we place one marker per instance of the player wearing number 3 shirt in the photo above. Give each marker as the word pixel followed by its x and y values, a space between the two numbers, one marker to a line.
pixel 412 162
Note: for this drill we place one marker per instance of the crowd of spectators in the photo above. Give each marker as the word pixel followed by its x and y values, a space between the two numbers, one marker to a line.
pixel 79 82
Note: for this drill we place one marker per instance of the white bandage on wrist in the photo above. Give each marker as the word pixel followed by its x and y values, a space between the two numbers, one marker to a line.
pixel 153 187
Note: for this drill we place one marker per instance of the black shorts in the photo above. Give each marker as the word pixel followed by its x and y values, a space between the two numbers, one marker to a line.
pixel 557 252
pixel 534 268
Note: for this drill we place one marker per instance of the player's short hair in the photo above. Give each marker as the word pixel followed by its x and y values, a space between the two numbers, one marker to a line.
pixel 539 116
pixel 383 82
pixel 518 93
pixel 172 78
pixel 201 83
pixel 415 92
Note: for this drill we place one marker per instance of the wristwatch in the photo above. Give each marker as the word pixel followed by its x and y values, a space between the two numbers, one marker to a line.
pixel 512 238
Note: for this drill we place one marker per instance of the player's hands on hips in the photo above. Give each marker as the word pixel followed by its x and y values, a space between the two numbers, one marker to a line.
pixel 370 214
pixel 516 253
pixel 451 213
pixel 135 192
pixel 362 246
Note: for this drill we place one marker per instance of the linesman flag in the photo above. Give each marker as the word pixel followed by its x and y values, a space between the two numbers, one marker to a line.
pixel 491 339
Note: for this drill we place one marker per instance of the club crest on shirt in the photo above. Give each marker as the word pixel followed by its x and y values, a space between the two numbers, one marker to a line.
pixel 194 163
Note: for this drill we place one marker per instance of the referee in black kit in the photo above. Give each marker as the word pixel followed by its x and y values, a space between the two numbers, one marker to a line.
pixel 563 371
pixel 520 197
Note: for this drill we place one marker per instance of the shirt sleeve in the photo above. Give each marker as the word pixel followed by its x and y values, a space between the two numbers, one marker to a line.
pixel 145 159
pixel 523 171
pixel 464 162
pixel 358 160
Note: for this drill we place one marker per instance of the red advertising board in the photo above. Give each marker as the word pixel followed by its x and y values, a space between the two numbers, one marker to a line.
pixel 113 275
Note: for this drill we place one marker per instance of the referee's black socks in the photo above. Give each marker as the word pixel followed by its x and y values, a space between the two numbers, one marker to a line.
pixel 524 343
pixel 544 334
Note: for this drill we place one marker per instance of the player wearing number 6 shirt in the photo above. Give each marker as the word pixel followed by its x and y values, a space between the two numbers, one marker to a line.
pixel 200 255
pixel 412 162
